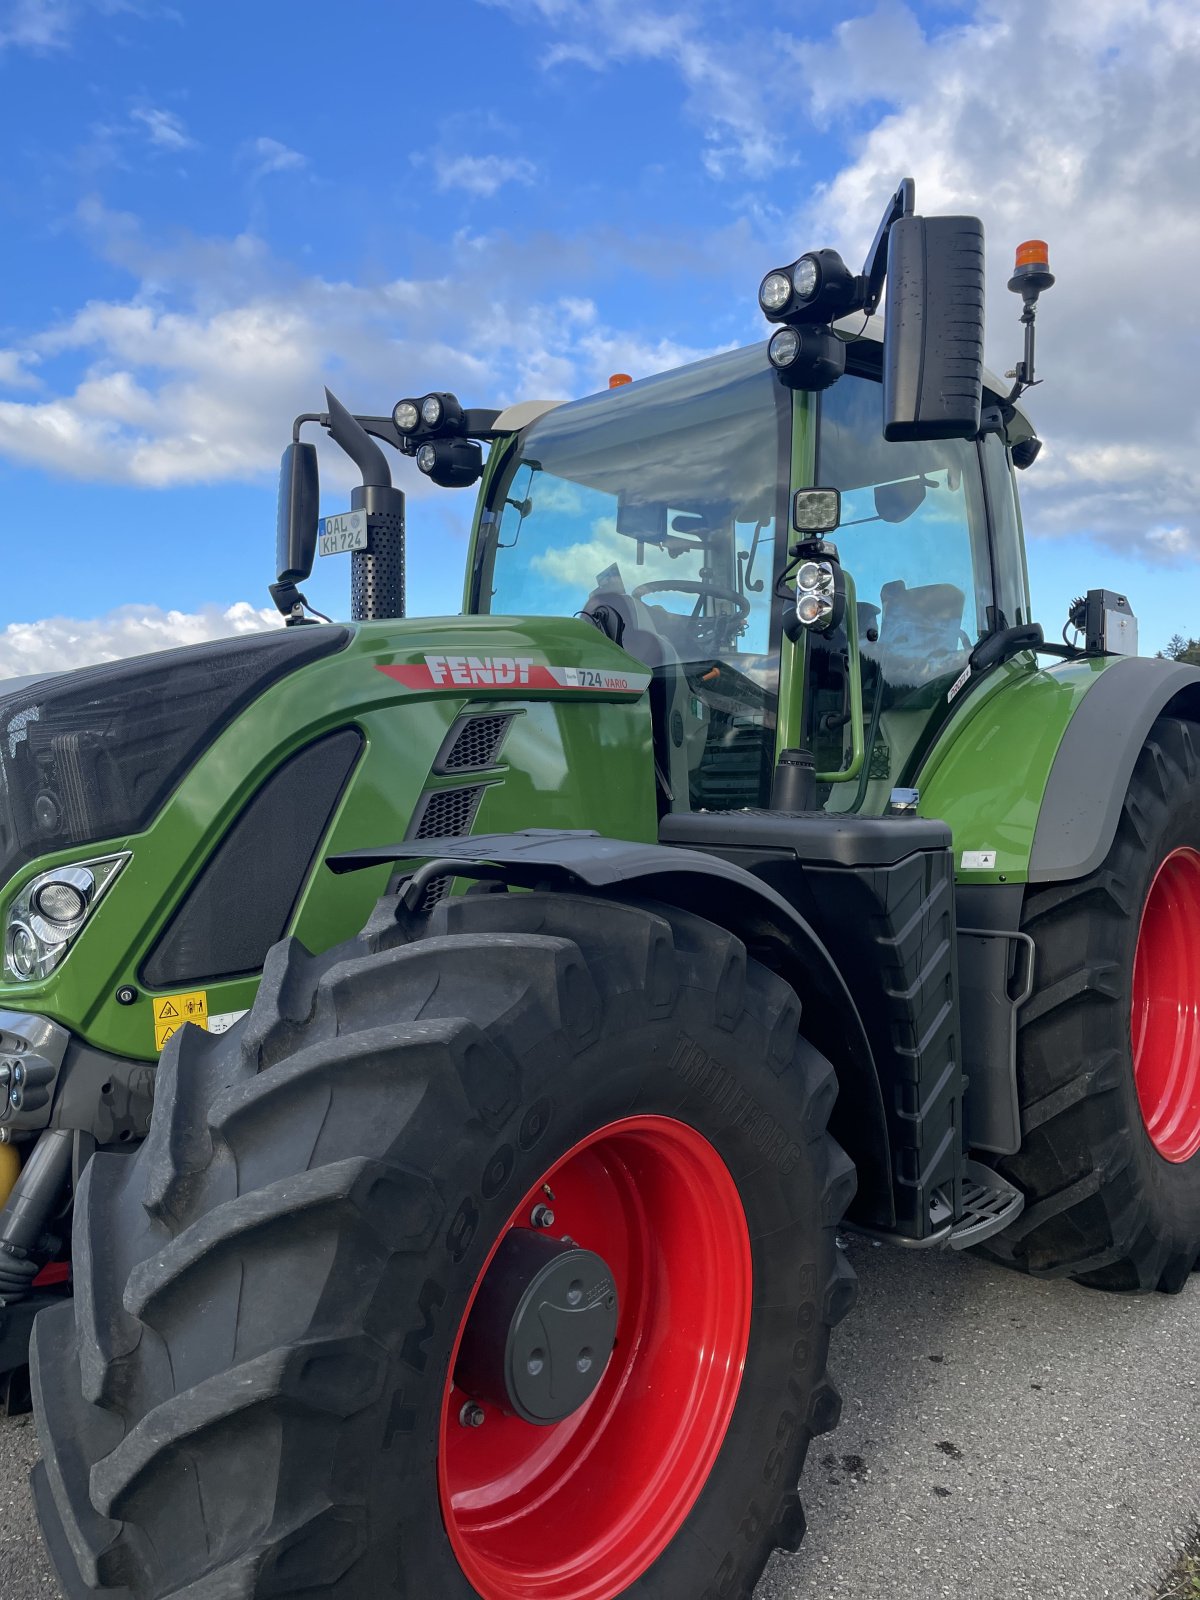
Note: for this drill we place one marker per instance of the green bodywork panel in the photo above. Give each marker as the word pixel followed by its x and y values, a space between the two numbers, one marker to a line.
pixel 987 773
pixel 574 758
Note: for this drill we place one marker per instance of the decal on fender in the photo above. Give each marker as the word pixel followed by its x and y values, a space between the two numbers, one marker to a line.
pixel 507 672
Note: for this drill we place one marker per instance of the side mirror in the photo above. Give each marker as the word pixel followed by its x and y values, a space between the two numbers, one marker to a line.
pixel 933 337
pixel 299 501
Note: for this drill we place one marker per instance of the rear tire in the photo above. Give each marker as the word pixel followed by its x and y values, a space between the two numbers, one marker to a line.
pixel 1108 1058
pixel 246 1401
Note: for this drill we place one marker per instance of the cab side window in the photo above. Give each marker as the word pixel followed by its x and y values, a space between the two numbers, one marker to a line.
pixel 1012 581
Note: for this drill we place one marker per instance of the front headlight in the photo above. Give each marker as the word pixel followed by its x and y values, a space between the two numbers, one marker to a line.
pixel 46 917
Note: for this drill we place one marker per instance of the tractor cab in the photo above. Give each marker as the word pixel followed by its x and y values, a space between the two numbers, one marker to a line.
pixel 661 511
pixel 654 510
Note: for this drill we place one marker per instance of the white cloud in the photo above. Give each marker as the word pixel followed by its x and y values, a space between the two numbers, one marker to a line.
pixel 196 379
pixel 37 25
pixel 578 566
pixel 56 644
pixel 1047 118
pixel 14 372
pixel 481 175
pixel 165 129
pixel 266 155
pixel 728 67
pixel 195 376
pixel 1091 141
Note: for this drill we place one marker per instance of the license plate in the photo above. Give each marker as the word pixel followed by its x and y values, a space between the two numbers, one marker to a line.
pixel 346 531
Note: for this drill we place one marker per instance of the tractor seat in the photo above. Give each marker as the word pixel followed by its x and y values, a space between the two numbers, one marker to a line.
pixel 921 636
pixel 633 625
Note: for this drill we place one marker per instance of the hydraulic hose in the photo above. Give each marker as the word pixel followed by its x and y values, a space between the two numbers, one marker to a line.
pixel 30 1206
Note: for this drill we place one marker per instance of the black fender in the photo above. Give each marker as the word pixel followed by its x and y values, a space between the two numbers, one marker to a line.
pixel 1090 776
pixel 726 894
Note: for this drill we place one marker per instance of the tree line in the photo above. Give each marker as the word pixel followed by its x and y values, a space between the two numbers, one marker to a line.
pixel 1181 649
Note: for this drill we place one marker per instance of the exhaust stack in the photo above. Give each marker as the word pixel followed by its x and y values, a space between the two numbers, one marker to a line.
pixel 376 573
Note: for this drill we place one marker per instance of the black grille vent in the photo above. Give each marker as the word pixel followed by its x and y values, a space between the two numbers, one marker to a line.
pixel 447 813
pixel 436 891
pixel 474 745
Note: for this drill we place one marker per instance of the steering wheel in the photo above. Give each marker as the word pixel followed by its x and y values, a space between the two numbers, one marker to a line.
pixel 702 591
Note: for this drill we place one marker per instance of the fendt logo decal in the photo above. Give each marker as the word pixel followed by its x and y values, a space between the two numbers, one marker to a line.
pixel 510 672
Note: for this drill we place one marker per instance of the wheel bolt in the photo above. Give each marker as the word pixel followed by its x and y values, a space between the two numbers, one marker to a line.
pixel 472 1415
pixel 542 1217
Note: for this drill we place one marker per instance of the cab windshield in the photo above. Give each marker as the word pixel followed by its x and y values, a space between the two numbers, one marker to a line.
pixel 653 509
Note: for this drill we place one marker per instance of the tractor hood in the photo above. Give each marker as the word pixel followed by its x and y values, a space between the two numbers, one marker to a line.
pixel 93 754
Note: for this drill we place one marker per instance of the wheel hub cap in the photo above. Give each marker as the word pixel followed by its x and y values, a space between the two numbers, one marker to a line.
pixel 542 1329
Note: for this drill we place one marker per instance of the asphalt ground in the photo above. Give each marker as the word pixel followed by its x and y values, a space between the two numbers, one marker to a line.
pixel 1002 1439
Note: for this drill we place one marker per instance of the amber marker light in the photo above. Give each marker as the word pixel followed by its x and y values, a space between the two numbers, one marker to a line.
pixel 1033 253
pixel 1031 272
pixel 619 379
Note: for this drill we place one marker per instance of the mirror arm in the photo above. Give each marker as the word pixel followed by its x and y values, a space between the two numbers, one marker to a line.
pixel 347 431
pixel 306 416
pixel 902 204
pixel 384 428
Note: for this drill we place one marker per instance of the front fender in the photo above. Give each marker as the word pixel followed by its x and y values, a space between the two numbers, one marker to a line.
pixel 774 932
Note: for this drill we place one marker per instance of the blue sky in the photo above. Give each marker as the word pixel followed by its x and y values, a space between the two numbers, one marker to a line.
pixel 210 210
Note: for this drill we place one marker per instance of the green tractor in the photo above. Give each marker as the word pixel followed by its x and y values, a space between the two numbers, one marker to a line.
pixel 741 865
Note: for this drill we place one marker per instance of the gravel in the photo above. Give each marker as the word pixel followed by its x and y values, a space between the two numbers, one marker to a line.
pixel 1001 1438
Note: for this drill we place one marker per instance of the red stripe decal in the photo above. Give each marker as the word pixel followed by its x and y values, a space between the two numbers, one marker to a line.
pixel 512 672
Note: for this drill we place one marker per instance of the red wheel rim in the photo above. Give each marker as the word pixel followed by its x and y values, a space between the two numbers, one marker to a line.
pixel 579 1510
pixel 1165 1019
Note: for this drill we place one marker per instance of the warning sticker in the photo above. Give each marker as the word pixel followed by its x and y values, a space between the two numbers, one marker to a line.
pixel 171 1011
pixel 222 1021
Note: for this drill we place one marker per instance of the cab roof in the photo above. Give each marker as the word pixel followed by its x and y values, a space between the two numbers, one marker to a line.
pixel 854 330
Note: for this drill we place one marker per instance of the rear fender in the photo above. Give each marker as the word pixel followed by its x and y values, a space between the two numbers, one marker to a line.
pixel 1090 777
pixel 1031 770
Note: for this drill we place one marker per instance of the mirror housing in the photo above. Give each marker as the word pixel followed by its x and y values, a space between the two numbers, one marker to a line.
pixel 299 510
pixel 933 336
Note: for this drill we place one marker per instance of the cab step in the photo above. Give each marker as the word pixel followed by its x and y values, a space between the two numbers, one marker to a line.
pixel 990 1203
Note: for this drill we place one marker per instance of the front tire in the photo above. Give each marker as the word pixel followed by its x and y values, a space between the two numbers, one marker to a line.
pixel 1108 1056
pixel 258 1396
